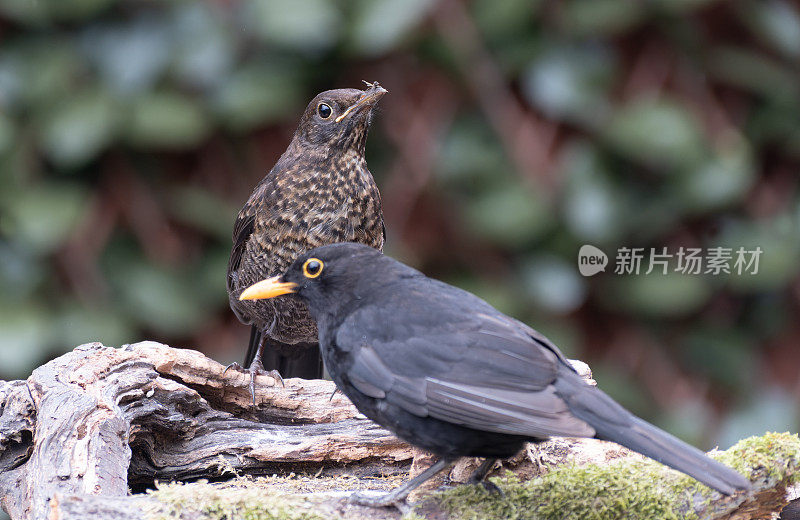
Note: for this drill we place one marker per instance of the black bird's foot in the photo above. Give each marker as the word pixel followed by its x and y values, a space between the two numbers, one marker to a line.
pixel 397 497
pixel 491 488
pixel 479 477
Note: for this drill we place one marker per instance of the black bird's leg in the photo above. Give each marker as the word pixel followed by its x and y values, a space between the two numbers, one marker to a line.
pixel 400 493
pixel 480 473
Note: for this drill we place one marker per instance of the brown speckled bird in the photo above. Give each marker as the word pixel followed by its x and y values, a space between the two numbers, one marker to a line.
pixel 319 192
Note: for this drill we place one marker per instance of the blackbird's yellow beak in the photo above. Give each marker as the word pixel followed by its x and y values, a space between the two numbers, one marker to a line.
pixel 269 288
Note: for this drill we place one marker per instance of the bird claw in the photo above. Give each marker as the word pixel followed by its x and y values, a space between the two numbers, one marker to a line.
pixel 277 376
pixel 234 365
pixel 258 371
pixel 254 371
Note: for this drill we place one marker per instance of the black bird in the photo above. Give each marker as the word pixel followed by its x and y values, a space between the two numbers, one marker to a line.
pixel 447 372
pixel 319 192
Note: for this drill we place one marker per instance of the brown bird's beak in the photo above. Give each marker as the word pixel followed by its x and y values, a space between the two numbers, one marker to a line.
pixel 370 97
pixel 269 288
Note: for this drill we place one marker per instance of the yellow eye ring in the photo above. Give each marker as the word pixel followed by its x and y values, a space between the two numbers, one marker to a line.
pixel 312 267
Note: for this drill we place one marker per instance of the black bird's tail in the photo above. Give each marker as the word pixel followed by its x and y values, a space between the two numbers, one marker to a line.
pixel 614 423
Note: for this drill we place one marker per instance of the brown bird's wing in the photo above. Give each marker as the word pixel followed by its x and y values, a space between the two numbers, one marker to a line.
pixel 242 229
pixel 455 358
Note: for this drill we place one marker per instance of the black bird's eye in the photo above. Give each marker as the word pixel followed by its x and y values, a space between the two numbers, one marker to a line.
pixel 312 268
pixel 324 110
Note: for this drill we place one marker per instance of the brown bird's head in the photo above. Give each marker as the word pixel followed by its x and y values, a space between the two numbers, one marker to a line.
pixel 339 119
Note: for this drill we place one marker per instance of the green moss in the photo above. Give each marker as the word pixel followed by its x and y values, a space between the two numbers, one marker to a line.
pixel 242 499
pixel 761 454
pixel 630 489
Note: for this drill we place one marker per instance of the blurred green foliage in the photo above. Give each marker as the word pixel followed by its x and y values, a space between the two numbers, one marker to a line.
pixel 131 132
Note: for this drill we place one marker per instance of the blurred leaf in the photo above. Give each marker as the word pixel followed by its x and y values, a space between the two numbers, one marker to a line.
pixel 779 261
pixel 655 295
pixel 39 12
pixel 79 128
pixel 471 156
pixel 258 93
pixel 20 272
pixel 721 354
pixel 621 386
pixel 571 83
pixel 553 283
pixel 210 280
pixel 76 325
pixel 205 45
pixel 593 206
pixel 507 19
pixel 776 22
pixel 37 71
pixel 42 217
pixel 681 6
pixel 721 180
pixel 130 56
pixel 7 133
pixel 768 409
pixel 161 299
pixel 753 71
pixel 774 121
pixel 167 120
pixel 24 339
pixel 600 17
pixel 203 210
pixel 305 25
pixel 25 11
pixel 75 10
pixel 509 215
pixel 689 421
pixel 380 24
pixel 657 133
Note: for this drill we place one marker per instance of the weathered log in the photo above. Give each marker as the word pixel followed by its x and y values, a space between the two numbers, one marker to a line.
pixel 91 424
pixel 106 418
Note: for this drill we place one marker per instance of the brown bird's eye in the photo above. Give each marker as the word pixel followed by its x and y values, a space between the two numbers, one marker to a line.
pixel 312 268
pixel 324 110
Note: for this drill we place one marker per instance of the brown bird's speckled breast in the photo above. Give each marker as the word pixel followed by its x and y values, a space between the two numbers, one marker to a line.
pixel 297 207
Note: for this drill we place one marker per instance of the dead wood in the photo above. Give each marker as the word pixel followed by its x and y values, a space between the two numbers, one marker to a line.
pixel 90 426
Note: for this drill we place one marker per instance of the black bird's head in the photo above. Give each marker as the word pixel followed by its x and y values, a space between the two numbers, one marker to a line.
pixel 331 277
pixel 339 119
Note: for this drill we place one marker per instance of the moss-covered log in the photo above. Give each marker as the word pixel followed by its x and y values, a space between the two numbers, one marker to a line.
pixel 88 426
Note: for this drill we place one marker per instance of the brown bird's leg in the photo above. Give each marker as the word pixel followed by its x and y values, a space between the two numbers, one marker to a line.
pixel 256 368
pixel 399 494
pixel 480 473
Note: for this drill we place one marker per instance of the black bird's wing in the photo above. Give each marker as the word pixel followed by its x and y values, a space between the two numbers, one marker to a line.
pixel 455 358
